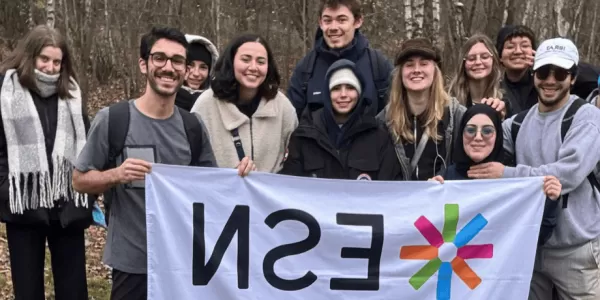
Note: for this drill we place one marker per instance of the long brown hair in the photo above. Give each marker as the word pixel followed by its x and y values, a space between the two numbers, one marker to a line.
pixel 397 117
pixel 29 48
pixel 459 87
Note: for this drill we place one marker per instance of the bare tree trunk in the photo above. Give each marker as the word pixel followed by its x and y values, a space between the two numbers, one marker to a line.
pixel 170 13
pixel 590 48
pixel 436 21
pixel 562 25
pixel 506 9
pixel 419 9
pixel 408 19
pixel 217 11
pixel 459 26
pixel 528 13
pixel 304 31
pixel 578 18
pixel 111 45
pixel 30 20
pixel 469 22
pixel 50 13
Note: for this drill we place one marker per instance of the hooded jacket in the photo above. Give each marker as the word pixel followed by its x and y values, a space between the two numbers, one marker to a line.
pixel 186 96
pixel 359 149
pixel 356 52
pixel 431 155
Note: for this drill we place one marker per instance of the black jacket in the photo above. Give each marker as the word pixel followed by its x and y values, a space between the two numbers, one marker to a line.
pixel 356 52
pixel 65 212
pixel 369 153
pixel 359 149
pixel 186 99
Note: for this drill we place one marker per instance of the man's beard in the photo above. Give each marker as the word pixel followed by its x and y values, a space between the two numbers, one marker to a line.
pixel 154 86
pixel 551 102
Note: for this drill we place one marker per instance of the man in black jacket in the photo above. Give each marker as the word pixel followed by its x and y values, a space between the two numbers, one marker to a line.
pixel 338 37
pixel 342 140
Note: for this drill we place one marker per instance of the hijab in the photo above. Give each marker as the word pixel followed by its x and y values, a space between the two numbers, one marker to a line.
pixel 461 160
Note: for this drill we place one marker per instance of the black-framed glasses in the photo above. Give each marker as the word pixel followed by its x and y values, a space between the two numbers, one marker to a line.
pixel 487 131
pixel 160 59
pixel 560 74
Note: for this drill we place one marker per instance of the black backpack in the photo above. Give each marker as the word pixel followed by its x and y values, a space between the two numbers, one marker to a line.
pixel 551 207
pixel 118 127
pixel 378 68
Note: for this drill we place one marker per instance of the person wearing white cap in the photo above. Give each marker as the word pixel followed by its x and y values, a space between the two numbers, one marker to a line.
pixel 559 136
pixel 342 140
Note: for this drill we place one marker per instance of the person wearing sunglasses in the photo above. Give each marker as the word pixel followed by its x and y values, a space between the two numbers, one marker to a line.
pixel 570 259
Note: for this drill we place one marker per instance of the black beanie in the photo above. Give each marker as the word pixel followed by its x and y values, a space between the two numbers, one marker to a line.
pixel 199 52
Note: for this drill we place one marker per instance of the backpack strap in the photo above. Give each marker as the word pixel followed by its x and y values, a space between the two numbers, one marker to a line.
pixel 118 126
pixel 379 76
pixel 194 133
pixel 511 160
pixel 516 125
pixel 307 69
pixel 564 128
pixel 568 118
pixel 237 142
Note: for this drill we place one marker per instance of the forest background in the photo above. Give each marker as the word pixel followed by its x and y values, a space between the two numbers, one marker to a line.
pixel 104 37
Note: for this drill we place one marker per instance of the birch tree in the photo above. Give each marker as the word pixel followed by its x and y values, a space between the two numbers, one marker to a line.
pixel 419 15
pixel 50 14
pixel 562 25
pixel 408 19
pixel 436 21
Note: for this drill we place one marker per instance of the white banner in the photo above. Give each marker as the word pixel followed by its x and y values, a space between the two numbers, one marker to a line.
pixel 214 235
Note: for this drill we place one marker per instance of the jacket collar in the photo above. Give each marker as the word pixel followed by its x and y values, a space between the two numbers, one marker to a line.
pixel 232 118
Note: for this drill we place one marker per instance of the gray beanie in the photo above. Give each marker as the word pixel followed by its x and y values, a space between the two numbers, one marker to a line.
pixel 345 76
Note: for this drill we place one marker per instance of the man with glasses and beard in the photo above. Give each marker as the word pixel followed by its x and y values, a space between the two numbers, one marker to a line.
pixel 152 130
pixel 559 136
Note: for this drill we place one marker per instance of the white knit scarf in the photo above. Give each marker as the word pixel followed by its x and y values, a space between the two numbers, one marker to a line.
pixel 27 160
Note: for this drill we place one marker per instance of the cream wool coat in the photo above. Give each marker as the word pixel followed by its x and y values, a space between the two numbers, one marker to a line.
pixel 265 137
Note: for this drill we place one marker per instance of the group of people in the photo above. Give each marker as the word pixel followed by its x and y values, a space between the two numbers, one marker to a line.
pixel 511 110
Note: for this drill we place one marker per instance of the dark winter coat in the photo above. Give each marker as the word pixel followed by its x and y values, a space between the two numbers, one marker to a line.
pixel 361 149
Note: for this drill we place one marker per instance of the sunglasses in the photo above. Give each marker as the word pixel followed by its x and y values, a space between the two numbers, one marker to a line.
pixel 560 74
pixel 487 131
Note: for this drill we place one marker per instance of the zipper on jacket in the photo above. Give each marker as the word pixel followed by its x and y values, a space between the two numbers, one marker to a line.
pixel 415 144
pixel 251 142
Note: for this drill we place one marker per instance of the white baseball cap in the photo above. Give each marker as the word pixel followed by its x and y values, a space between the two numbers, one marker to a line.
pixel 559 52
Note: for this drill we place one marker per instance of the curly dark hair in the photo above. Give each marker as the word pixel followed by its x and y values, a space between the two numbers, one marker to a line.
pixel 224 84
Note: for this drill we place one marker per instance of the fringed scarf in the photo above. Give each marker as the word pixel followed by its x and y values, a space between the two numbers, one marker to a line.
pixel 27 160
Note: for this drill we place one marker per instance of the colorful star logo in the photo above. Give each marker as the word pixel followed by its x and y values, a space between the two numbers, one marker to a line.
pixel 447 251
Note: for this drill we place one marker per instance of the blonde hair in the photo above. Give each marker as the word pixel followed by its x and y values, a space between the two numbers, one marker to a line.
pixel 459 87
pixel 397 118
